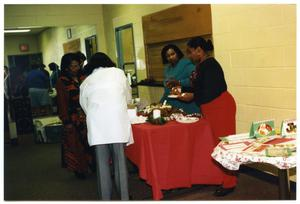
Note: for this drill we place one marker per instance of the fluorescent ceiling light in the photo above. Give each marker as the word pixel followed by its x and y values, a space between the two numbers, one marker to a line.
pixel 17 31
pixel 27 27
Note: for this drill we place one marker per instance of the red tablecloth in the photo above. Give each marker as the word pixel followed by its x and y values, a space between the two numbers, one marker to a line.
pixel 174 155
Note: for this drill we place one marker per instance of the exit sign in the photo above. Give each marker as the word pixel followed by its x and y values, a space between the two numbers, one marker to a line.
pixel 24 47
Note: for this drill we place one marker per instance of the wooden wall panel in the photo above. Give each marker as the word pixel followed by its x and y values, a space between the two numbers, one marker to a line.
pixel 175 25
pixel 154 61
pixel 178 22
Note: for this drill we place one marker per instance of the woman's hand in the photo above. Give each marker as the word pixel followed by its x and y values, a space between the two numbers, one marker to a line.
pixel 187 97
pixel 176 90
pixel 193 77
pixel 172 83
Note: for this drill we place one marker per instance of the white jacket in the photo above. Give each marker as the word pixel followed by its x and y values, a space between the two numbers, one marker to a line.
pixel 104 96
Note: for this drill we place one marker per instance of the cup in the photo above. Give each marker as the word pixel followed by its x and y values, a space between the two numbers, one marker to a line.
pixel 137 100
pixel 156 113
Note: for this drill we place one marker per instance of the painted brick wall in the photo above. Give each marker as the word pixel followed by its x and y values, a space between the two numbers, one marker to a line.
pixel 256 45
pixel 51 41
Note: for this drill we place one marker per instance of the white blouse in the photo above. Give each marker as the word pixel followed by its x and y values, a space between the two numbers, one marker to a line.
pixel 104 96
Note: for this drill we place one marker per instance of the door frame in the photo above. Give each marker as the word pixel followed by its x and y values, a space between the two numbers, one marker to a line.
pixel 119 45
pixel 120 60
pixel 88 56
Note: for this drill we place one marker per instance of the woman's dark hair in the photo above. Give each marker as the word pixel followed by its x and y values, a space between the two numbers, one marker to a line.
pixel 42 66
pixel 81 56
pixel 164 52
pixel 205 45
pixel 53 66
pixel 66 62
pixel 99 59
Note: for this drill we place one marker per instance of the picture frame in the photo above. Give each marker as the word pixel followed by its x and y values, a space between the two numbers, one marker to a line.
pixel 289 127
pixel 262 128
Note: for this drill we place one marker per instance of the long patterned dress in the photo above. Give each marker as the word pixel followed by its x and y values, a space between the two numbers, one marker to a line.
pixel 77 156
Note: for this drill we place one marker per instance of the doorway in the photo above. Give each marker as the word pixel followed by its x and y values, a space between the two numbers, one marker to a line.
pixel 19 66
pixel 126 55
pixel 90 46
pixel 19 102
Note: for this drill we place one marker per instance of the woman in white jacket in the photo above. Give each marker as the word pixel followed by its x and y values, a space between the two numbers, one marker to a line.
pixel 104 95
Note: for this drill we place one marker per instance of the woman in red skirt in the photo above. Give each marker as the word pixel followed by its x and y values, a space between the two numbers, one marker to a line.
pixel 210 93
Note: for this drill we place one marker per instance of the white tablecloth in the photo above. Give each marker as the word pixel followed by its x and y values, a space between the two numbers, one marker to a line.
pixel 39 126
pixel 232 160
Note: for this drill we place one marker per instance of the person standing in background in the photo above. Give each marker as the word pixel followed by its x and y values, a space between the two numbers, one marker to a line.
pixel 217 104
pixel 6 100
pixel 176 73
pixel 104 95
pixel 42 68
pixel 37 83
pixel 55 73
pixel 17 82
pixel 6 78
pixel 82 59
pixel 77 156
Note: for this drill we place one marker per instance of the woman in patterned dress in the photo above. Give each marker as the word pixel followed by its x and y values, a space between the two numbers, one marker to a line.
pixel 77 156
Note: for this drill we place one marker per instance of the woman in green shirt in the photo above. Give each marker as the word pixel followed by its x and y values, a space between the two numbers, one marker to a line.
pixel 177 71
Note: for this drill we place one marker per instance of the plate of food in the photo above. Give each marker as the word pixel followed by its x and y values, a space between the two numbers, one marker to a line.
pixel 187 119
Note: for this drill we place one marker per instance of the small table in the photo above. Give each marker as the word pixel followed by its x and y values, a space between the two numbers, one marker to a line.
pixel 174 155
pixel 39 127
pixel 232 159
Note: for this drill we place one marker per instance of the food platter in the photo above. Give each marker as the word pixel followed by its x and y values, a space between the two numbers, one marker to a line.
pixel 187 119
pixel 172 96
pixel 138 120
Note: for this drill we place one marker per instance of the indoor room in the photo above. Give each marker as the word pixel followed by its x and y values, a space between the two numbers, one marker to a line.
pixel 149 102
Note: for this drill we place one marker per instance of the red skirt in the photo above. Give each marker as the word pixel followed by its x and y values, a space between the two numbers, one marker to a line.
pixel 221 115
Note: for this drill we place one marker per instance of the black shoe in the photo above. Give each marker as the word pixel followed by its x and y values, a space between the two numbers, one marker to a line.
pixel 80 175
pixel 223 191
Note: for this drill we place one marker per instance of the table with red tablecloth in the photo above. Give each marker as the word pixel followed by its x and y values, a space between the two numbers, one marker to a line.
pixel 174 155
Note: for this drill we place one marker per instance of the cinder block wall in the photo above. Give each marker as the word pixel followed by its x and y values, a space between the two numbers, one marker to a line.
pixel 51 41
pixel 256 45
